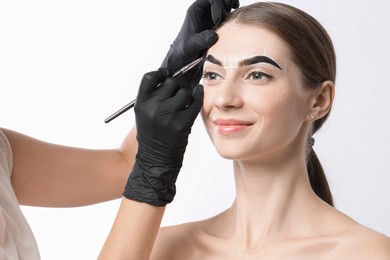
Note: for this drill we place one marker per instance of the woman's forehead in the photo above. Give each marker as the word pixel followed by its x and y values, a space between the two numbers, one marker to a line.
pixel 239 41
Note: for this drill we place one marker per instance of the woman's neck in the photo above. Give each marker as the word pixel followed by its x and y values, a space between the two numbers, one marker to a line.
pixel 271 198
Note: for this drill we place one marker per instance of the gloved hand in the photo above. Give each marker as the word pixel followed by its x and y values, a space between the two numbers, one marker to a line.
pixel 164 114
pixel 196 36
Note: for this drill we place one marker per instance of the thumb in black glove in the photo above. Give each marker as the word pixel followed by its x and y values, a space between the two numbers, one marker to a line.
pixel 164 114
pixel 196 36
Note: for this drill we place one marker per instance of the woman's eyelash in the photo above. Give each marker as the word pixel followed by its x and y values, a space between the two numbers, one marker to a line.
pixel 259 74
pixel 255 75
pixel 208 75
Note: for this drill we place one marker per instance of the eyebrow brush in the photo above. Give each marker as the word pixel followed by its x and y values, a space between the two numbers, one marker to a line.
pixel 177 74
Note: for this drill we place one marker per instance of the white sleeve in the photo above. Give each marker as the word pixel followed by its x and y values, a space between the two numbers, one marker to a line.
pixel 5 155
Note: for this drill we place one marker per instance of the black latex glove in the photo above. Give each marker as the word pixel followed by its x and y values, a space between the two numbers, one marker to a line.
pixel 164 114
pixel 196 36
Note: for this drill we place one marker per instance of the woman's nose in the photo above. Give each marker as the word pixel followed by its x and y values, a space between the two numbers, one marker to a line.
pixel 228 95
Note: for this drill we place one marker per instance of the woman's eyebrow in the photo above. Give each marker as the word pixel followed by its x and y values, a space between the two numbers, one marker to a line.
pixel 212 59
pixel 259 59
pixel 247 61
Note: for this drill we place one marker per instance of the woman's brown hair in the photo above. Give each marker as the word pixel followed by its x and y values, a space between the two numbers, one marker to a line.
pixel 312 51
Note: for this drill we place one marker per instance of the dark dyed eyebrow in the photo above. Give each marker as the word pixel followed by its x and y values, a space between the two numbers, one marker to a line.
pixel 246 62
pixel 212 59
pixel 259 59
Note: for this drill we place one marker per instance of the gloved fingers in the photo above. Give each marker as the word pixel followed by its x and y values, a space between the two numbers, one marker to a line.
pixel 188 115
pixel 167 89
pixel 200 41
pixel 204 5
pixel 177 102
pixel 151 80
pixel 214 7
pixel 197 100
pixel 231 4
pixel 219 9
pixel 236 4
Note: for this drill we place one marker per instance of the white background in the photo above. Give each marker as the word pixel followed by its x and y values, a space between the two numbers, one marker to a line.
pixel 67 65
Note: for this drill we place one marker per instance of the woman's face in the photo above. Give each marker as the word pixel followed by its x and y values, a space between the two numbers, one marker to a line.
pixel 255 103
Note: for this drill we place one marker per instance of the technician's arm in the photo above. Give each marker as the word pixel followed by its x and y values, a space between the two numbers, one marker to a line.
pixel 46 174
pixel 165 113
pixel 134 231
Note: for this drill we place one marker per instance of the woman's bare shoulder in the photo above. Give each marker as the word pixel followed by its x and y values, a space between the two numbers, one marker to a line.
pixel 176 242
pixel 364 243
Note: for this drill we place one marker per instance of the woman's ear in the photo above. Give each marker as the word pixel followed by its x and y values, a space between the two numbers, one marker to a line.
pixel 322 100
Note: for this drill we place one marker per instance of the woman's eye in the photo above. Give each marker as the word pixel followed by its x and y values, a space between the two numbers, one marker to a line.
pixel 257 75
pixel 210 75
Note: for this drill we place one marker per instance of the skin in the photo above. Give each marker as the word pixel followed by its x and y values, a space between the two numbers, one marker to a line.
pixel 262 124
pixel 134 231
pixel 51 175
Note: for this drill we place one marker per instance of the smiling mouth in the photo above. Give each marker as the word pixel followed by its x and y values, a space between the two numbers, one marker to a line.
pixel 228 127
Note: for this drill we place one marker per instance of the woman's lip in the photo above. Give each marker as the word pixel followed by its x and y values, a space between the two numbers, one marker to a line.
pixel 230 126
pixel 230 122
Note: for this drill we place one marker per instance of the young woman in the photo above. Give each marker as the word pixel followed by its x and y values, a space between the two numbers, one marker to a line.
pixel 269 84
